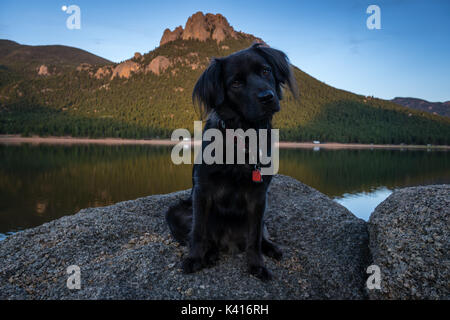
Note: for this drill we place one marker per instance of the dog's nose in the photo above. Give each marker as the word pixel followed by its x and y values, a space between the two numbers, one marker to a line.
pixel 265 96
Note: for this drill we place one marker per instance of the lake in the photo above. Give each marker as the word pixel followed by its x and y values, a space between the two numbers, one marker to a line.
pixel 40 183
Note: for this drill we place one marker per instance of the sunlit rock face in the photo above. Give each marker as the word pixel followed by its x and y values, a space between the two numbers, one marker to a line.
pixel 158 65
pixel 201 27
pixel 43 70
pixel 124 69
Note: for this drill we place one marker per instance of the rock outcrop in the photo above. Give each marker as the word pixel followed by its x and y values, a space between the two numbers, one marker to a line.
pixel 199 26
pixel 410 242
pixel 124 69
pixel 125 251
pixel 103 72
pixel 43 70
pixel 158 65
pixel 169 36
pixel 202 27
pixel 84 67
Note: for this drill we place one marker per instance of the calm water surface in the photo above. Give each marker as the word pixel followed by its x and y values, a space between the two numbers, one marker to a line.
pixel 42 183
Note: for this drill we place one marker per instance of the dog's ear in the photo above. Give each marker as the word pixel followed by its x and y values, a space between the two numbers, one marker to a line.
pixel 281 68
pixel 209 91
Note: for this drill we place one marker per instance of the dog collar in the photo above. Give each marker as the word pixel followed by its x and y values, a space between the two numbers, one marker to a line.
pixel 256 172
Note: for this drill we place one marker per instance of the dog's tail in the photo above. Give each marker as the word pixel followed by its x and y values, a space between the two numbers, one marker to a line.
pixel 179 219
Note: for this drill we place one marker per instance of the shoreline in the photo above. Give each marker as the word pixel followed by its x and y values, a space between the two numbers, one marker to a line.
pixel 15 139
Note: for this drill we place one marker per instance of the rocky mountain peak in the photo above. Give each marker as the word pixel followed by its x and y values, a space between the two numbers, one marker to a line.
pixel 201 27
pixel 168 35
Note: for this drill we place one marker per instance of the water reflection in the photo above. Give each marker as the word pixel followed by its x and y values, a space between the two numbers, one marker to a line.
pixel 42 183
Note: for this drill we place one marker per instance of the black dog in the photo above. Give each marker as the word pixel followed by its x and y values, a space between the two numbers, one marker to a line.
pixel 226 207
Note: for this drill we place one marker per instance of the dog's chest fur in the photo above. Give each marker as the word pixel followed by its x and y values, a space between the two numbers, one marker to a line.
pixel 237 196
pixel 233 197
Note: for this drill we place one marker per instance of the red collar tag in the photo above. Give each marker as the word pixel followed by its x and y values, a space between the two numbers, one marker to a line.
pixel 256 175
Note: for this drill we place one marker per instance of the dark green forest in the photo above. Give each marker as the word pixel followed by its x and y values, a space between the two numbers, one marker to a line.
pixel 75 103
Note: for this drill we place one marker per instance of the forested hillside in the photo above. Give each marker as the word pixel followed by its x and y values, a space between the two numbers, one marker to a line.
pixel 149 95
pixel 438 108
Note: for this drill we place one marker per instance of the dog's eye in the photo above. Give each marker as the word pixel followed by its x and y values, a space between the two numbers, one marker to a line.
pixel 266 71
pixel 236 84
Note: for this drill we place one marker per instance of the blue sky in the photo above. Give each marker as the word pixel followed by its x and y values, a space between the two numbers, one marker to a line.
pixel 409 56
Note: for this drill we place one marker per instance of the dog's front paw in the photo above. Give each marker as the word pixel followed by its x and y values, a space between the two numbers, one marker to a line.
pixel 260 272
pixel 191 265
